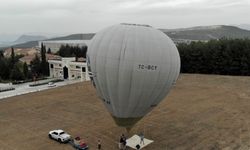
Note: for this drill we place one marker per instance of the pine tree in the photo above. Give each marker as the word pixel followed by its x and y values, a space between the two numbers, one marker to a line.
pixel 25 70
pixel 16 73
pixel 49 51
pixel 44 64
pixel 43 53
pixel 12 58
pixel 35 65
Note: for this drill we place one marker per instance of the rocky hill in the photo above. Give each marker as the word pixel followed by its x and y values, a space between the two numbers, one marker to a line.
pixel 86 36
pixel 205 33
pixel 28 38
pixel 202 33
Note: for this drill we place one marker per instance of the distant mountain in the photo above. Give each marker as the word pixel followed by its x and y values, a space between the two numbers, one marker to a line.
pixel 202 33
pixel 7 38
pixel 34 43
pixel 24 41
pixel 205 33
pixel 244 26
pixel 28 38
pixel 3 44
pixel 29 44
pixel 87 36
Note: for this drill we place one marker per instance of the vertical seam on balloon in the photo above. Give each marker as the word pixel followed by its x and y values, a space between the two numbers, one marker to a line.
pixel 167 87
pixel 158 79
pixel 172 73
pixel 159 97
pixel 95 76
pixel 123 48
pixel 101 90
pixel 141 93
pixel 131 76
pixel 106 79
pixel 147 72
pixel 134 109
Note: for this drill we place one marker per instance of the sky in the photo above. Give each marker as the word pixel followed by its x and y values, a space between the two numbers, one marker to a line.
pixel 87 16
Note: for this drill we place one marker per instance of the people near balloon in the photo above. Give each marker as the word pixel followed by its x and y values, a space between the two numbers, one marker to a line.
pixel 99 145
pixel 122 143
pixel 142 139
pixel 133 68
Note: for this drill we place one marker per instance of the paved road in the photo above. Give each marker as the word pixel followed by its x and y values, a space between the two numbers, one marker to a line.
pixel 25 88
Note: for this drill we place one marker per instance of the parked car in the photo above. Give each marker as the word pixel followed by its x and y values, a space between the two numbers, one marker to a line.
pixel 51 84
pixel 59 135
pixel 79 144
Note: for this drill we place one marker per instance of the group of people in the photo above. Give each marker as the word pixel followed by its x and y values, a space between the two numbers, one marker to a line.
pixel 141 141
pixel 122 142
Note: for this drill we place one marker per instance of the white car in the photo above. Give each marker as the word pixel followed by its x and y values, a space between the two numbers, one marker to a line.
pixel 51 84
pixel 59 135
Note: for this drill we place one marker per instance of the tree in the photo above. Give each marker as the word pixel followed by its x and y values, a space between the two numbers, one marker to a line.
pixel 49 51
pixel 43 53
pixel 12 58
pixel 1 54
pixel 5 69
pixel 72 51
pixel 44 64
pixel 223 56
pixel 35 65
pixel 25 70
pixel 16 73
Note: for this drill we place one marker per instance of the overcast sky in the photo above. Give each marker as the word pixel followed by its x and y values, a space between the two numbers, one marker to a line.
pixel 76 16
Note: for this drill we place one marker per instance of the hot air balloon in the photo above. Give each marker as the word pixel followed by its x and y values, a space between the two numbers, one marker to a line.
pixel 132 67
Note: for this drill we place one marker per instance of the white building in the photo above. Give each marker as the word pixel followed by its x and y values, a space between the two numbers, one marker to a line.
pixel 68 68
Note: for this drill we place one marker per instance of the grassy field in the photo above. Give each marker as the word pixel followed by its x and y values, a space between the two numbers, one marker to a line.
pixel 200 112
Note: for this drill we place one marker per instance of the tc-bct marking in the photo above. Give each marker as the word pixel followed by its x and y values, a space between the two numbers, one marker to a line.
pixel 147 67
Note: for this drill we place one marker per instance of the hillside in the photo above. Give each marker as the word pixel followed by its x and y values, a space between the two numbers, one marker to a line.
pixel 207 32
pixel 29 44
pixel 244 26
pixel 24 41
pixel 28 38
pixel 69 37
pixel 87 36
pixel 203 33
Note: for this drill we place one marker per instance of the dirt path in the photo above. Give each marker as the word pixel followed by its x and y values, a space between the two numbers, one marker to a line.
pixel 201 112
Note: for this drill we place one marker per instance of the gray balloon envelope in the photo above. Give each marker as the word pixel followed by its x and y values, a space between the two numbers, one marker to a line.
pixel 133 68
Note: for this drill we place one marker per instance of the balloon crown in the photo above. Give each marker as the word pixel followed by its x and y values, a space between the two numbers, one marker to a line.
pixel 133 24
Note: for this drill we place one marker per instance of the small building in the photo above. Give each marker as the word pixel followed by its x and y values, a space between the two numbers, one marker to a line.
pixel 68 68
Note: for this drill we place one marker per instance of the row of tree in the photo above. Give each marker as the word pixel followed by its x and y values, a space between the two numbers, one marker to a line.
pixel 39 65
pixel 72 51
pixel 13 69
pixel 224 57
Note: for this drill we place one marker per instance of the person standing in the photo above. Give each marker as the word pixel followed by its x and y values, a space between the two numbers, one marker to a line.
pixel 120 143
pixel 142 138
pixel 124 143
pixel 99 145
